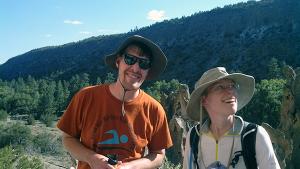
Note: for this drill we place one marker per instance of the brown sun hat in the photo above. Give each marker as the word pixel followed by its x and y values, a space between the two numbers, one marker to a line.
pixel 245 92
pixel 158 59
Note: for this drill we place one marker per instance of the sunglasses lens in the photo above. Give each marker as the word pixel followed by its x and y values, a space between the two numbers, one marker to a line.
pixel 144 64
pixel 129 60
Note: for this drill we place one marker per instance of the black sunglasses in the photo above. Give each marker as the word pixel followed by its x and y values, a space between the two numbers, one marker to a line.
pixel 131 60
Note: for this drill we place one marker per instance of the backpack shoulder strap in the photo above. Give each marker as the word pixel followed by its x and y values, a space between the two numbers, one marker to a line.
pixel 248 139
pixel 194 140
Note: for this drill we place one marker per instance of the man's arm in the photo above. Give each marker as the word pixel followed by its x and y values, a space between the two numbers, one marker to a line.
pixel 81 153
pixel 153 160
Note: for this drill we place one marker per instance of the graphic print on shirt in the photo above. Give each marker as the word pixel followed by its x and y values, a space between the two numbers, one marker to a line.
pixel 115 139
pixel 111 134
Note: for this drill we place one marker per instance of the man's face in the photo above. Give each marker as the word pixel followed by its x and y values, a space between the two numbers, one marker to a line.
pixel 132 76
pixel 221 98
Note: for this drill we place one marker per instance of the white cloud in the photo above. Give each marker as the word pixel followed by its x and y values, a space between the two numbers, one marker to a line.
pixel 85 32
pixel 73 22
pixel 156 15
pixel 48 35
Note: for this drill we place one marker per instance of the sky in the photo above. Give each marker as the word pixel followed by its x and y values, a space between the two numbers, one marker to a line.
pixel 32 24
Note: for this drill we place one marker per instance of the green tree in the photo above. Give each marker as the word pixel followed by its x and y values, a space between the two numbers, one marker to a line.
pixel 61 95
pixel 74 84
pixel 160 88
pixel 32 83
pixel 6 95
pixel 47 108
pixel 20 85
pixel 110 78
pixel 266 102
pixel 274 70
pixel 33 91
pixel 21 103
pixel 98 80
pixel 84 80
pixel 77 82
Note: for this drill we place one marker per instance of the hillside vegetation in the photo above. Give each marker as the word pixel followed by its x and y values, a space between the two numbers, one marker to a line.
pixel 242 37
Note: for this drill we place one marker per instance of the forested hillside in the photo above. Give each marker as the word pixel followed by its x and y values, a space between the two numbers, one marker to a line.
pixel 242 37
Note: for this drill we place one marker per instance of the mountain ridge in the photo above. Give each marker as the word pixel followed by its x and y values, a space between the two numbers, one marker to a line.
pixel 242 37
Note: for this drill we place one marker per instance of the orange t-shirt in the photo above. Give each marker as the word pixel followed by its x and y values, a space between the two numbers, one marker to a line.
pixel 95 117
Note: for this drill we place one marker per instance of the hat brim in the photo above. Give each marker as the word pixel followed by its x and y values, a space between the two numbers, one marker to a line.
pixel 159 60
pixel 245 93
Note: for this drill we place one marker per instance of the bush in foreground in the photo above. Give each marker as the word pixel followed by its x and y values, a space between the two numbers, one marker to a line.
pixel 14 158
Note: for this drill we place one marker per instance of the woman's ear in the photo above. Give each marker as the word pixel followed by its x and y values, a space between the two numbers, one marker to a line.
pixel 203 100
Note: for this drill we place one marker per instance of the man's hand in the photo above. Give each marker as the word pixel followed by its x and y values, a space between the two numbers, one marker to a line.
pixel 153 160
pixel 124 166
pixel 98 161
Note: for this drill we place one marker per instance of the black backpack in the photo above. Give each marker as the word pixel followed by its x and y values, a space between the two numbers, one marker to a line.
pixel 248 139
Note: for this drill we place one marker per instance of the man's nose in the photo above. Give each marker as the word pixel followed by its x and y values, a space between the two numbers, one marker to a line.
pixel 136 66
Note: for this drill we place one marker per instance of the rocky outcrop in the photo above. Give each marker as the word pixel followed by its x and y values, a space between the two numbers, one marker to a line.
pixel 179 124
pixel 286 138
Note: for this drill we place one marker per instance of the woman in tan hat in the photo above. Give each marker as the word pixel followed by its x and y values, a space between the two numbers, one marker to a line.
pixel 216 98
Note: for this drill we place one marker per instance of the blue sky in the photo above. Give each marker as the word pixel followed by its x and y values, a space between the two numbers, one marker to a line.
pixel 31 24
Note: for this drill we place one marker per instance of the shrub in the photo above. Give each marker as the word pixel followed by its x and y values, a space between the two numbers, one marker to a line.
pixel 14 158
pixel 7 157
pixel 15 134
pixel 168 165
pixel 47 144
pixel 29 163
pixel 31 120
pixel 48 119
pixel 3 115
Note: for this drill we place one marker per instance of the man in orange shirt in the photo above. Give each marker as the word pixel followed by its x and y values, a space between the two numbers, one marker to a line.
pixel 110 126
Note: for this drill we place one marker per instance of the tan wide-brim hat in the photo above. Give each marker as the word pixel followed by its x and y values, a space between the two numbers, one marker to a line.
pixel 245 92
pixel 158 59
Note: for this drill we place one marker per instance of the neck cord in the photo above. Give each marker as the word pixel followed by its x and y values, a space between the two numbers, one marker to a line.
pixel 123 109
pixel 123 97
pixel 130 127
pixel 232 145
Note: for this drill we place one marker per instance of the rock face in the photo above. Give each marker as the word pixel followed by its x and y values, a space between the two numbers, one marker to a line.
pixel 178 131
pixel 294 113
pixel 179 124
pixel 286 138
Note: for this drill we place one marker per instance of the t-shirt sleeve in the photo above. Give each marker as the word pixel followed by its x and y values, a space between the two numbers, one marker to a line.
pixel 71 120
pixel 161 138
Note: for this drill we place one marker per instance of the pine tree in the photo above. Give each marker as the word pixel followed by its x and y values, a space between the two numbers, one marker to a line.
pixel 274 71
